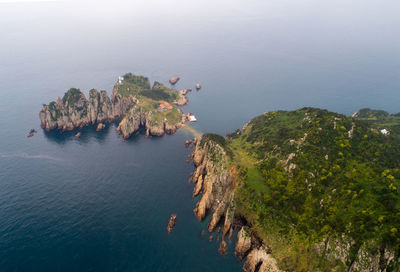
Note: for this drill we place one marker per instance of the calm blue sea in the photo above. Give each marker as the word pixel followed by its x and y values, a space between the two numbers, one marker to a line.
pixel 101 204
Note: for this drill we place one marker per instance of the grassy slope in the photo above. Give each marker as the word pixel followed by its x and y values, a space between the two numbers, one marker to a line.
pixel 357 180
pixel 151 98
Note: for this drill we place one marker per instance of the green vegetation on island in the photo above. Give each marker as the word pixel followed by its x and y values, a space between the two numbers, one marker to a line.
pixel 134 104
pixel 158 100
pixel 72 96
pixel 380 119
pixel 313 181
pixel 139 86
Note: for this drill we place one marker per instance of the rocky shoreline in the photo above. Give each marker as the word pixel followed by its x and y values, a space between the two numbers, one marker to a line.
pixel 217 183
pixel 225 179
pixel 74 110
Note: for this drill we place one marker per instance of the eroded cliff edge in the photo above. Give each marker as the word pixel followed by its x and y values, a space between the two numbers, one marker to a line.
pixel 216 180
pixel 134 104
pixel 303 191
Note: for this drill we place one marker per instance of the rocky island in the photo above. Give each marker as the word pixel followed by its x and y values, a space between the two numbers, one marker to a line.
pixel 307 190
pixel 134 103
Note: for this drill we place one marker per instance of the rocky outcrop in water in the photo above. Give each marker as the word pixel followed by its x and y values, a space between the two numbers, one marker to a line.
pixel 174 80
pixel 171 222
pixel 31 133
pixel 182 98
pixel 66 114
pixel 75 111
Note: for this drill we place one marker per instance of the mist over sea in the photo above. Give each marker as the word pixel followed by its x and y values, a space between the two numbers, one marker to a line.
pixel 101 204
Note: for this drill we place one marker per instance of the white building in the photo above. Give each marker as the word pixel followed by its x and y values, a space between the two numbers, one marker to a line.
pixel 192 118
pixel 120 79
pixel 384 131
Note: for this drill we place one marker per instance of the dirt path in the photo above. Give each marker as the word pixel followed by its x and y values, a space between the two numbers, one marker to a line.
pixel 192 130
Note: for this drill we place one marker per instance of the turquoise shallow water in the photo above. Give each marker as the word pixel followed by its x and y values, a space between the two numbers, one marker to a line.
pixel 101 204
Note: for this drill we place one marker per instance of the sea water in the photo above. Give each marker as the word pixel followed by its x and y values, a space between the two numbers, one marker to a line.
pixel 99 203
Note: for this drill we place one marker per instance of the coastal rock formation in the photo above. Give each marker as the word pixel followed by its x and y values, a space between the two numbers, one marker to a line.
pixel 31 133
pixel 280 155
pixel 259 257
pixel 182 98
pixel 217 183
pixel 121 104
pixel 213 180
pixel 99 107
pixel 223 248
pixel 171 222
pixel 138 117
pixel 198 86
pixel 243 244
pixel 133 103
pixel 174 80
pixel 78 135
pixel 100 127
pixel 66 114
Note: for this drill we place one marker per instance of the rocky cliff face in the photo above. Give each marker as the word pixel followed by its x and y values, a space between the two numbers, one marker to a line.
pixel 259 260
pixel 243 244
pixel 67 113
pixel 121 104
pixel 139 118
pixel 216 183
pixel 75 111
pixel 99 108
pixel 182 98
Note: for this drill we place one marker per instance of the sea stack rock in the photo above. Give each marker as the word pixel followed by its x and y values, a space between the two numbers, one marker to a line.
pixel 174 80
pixel 171 222
pixel 100 127
pixel 198 86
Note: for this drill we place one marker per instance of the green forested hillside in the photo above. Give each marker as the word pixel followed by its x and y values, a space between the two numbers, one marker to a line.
pixel 313 177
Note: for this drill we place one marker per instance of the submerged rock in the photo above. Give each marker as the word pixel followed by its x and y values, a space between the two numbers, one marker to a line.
pixel 31 132
pixel 223 248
